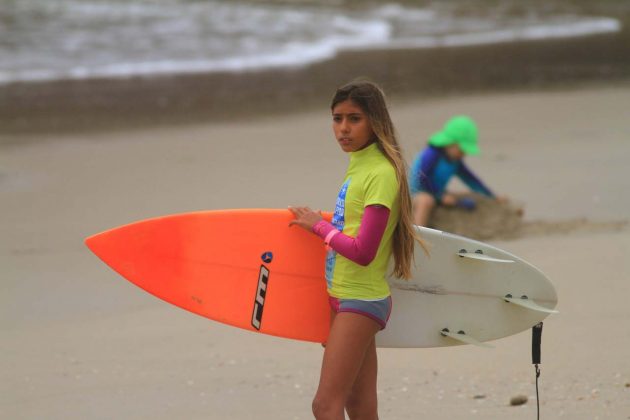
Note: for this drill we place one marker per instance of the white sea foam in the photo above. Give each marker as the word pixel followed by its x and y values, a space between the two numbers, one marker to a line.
pixel 81 39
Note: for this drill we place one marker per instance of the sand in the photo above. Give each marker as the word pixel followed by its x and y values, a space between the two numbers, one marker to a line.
pixel 80 342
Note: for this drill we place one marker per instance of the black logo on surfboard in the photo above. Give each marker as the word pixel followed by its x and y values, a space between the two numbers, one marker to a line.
pixel 259 301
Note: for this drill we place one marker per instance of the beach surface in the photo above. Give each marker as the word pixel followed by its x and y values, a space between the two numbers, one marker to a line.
pixel 80 342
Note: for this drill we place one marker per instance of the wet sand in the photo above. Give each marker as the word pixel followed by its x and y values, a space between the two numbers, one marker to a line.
pixel 95 105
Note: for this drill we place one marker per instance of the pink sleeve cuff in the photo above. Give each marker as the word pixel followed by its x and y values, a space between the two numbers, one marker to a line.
pixel 323 228
pixel 330 235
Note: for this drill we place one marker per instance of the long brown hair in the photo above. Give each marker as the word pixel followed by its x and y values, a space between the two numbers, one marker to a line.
pixel 371 99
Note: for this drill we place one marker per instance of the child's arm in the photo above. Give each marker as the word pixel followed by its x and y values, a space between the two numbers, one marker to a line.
pixel 473 182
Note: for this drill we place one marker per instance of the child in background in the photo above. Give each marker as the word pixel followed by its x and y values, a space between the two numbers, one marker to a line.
pixel 442 159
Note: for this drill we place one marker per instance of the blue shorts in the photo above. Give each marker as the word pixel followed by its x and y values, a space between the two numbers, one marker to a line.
pixel 377 310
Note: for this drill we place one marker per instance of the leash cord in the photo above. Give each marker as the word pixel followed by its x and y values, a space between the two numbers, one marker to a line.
pixel 537 398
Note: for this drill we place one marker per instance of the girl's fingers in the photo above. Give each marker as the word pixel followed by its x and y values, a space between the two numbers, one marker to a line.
pixel 298 212
pixel 301 215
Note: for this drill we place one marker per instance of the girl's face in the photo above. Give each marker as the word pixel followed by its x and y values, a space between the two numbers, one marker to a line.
pixel 454 152
pixel 351 126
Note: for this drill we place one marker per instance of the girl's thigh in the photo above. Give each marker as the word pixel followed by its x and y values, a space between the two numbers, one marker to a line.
pixel 350 337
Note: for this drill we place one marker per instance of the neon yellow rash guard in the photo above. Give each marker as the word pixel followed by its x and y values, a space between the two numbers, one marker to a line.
pixel 370 180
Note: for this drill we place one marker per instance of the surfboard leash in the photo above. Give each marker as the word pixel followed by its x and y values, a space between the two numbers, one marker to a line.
pixel 536 339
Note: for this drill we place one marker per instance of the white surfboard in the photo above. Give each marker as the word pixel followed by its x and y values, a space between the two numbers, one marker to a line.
pixel 465 292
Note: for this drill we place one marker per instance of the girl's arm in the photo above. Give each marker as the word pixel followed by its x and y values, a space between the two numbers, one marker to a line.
pixel 363 248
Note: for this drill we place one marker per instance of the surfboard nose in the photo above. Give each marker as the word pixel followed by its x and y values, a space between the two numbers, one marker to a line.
pixel 98 245
pixel 116 248
pixel 95 243
pixel 109 244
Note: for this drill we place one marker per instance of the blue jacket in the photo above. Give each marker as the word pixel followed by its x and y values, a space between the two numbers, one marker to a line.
pixel 432 170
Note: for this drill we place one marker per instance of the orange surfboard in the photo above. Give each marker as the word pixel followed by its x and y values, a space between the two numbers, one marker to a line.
pixel 245 268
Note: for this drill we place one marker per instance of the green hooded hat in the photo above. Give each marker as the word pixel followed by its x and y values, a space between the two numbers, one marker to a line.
pixel 461 130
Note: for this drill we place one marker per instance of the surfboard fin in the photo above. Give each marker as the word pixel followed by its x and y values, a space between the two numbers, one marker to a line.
pixel 527 303
pixel 464 338
pixel 479 255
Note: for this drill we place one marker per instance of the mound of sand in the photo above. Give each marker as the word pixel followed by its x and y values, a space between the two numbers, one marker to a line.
pixel 492 219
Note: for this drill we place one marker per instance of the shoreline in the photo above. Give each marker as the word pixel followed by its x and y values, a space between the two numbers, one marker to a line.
pixel 106 104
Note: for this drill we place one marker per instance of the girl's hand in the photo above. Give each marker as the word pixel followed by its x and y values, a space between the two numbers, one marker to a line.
pixel 305 217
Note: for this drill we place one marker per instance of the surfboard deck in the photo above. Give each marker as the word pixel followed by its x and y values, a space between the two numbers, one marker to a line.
pixel 247 268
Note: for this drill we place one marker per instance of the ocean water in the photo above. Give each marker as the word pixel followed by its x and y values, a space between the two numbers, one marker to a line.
pixel 82 39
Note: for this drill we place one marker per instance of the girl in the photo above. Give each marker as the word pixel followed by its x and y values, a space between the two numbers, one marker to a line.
pixel 372 222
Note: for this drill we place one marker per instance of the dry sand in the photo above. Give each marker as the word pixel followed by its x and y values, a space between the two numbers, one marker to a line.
pixel 79 342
